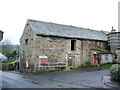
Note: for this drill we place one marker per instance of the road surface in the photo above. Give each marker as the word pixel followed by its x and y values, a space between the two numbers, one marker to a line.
pixel 72 79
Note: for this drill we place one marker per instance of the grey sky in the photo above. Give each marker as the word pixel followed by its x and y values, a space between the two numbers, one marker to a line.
pixel 94 14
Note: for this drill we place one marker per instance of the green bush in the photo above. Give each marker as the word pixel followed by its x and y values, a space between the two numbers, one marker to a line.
pixel 115 72
pixel 71 67
pixel 6 66
pixel 11 67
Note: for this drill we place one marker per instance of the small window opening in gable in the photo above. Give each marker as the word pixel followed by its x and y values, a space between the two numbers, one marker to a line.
pixel 27 24
pixel 26 41
pixel 73 44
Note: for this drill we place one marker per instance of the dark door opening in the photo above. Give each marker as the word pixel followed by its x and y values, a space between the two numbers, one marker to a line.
pixel 73 45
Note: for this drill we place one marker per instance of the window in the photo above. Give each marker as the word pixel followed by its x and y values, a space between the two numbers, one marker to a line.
pixel 27 24
pixel 73 44
pixel 26 41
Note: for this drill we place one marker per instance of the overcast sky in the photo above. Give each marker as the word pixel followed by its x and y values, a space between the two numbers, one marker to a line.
pixel 93 14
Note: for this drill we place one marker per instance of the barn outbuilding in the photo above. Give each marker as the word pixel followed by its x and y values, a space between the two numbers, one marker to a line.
pixel 46 42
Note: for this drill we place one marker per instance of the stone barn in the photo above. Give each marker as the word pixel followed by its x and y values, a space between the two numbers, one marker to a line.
pixel 44 42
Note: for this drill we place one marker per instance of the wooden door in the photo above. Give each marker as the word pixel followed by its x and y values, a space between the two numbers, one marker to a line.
pixel 95 58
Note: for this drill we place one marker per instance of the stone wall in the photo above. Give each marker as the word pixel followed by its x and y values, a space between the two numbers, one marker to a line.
pixel 55 48
pixel 88 45
pixel 102 57
pixel 27 50
pixel 106 58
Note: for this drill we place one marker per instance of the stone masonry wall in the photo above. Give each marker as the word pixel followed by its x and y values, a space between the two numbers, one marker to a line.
pixel 55 48
pixel 26 51
pixel 88 45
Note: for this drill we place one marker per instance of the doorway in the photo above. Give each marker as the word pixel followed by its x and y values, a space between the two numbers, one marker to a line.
pixel 71 60
pixel 95 58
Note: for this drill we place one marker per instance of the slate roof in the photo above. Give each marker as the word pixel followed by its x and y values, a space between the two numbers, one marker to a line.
pixel 53 29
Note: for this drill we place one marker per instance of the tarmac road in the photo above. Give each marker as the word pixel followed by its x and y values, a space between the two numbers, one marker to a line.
pixel 13 80
pixel 73 79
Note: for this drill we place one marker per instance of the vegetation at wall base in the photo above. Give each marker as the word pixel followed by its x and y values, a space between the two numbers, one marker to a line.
pixel 44 71
pixel 115 72
pixel 107 64
pixel 70 68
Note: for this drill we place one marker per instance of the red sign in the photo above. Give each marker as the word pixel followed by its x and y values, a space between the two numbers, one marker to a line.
pixel 43 59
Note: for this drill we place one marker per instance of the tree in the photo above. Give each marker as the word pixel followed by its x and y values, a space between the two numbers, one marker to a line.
pixel 6 48
pixel 9 50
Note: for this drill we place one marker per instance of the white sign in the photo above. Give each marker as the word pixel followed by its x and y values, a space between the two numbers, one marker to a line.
pixel 42 56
